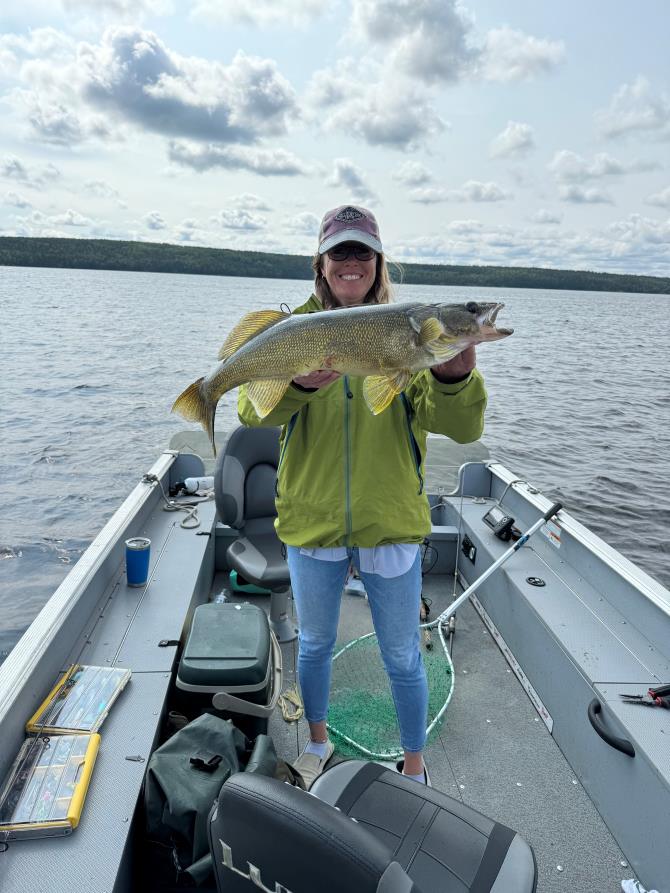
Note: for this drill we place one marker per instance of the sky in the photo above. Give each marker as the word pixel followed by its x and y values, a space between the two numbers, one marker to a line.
pixel 502 132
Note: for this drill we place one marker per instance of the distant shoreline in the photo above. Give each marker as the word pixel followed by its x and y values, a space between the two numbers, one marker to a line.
pixel 154 257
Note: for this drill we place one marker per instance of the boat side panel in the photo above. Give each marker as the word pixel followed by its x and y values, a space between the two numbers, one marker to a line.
pixel 568 637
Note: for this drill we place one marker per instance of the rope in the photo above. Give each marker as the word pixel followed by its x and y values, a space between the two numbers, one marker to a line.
pixel 191 521
pixel 291 706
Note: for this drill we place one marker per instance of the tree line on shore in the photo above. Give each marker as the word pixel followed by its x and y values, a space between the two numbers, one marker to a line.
pixel 151 257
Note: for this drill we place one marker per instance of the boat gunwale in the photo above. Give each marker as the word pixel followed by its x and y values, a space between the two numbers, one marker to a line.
pixel 16 671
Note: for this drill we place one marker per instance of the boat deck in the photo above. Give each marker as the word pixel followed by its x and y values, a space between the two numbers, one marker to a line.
pixel 493 752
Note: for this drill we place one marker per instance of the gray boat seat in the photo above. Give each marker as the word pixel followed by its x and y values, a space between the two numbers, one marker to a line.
pixel 244 490
pixel 362 827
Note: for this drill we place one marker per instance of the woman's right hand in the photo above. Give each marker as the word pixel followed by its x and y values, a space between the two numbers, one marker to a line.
pixel 316 380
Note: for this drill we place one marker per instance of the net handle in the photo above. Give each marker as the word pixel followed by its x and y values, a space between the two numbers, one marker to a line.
pixel 455 605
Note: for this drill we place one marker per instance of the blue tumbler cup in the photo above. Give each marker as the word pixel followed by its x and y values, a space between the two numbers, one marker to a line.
pixel 137 560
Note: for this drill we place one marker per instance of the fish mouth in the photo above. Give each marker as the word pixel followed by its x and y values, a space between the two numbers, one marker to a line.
pixel 488 329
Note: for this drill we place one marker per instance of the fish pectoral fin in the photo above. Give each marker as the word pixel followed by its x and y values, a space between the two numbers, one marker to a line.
pixel 431 329
pixel 248 327
pixel 446 349
pixel 379 390
pixel 266 394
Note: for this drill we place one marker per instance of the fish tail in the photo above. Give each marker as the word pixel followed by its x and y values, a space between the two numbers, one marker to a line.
pixel 194 406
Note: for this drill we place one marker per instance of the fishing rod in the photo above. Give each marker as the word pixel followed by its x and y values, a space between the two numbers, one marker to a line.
pixel 455 605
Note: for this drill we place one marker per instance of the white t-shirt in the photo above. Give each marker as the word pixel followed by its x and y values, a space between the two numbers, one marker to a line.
pixel 391 560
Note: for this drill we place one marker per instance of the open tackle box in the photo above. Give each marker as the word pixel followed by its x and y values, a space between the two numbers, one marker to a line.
pixel 43 795
pixel 232 663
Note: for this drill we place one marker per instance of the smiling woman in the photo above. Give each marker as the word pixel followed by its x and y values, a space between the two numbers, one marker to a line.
pixel 345 272
pixel 336 457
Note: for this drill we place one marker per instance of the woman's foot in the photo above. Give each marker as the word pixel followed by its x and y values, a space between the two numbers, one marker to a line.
pixel 423 778
pixel 312 761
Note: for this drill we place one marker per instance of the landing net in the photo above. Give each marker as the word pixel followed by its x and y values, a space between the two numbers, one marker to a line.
pixel 361 713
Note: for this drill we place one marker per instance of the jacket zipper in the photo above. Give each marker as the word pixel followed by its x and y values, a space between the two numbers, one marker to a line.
pixel 289 431
pixel 347 461
pixel 413 445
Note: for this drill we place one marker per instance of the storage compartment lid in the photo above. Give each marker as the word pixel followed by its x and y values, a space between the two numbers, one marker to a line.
pixel 228 646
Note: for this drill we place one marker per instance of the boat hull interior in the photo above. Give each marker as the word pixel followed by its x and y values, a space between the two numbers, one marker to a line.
pixel 539 670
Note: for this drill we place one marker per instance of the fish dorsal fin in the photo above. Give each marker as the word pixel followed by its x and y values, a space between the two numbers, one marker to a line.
pixel 379 390
pixel 249 326
pixel 266 394
pixel 431 329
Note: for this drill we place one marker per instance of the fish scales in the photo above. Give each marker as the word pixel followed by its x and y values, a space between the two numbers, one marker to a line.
pixel 383 343
pixel 360 344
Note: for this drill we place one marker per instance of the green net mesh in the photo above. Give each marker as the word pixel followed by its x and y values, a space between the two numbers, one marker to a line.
pixel 361 713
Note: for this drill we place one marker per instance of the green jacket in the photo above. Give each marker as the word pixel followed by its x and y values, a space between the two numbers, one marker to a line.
pixel 349 478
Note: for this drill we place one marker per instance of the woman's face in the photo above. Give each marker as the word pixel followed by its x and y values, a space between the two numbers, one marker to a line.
pixel 350 279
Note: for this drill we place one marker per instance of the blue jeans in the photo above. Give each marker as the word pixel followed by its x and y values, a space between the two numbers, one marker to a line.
pixel 394 603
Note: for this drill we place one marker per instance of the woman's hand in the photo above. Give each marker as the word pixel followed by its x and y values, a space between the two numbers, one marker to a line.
pixel 316 380
pixel 458 368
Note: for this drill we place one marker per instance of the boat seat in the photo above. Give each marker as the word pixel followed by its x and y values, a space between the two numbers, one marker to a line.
pixel 244 490
pixel 362 827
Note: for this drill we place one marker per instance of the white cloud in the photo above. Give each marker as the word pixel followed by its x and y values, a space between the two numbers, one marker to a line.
pixel 631 245
pixel 235 218
pixel 582 195
pixel 510 55
pixel 347 176
pixel 16 200
pixel 247 201
pixel 515 139
pixel 634 107
pixel 102 189
pixel 132 77
pixel 569 167
pixel 265 162
pixel 120 9
pixel 391 113
pixel 304 224
pixel 471 191
pixel 70 218
pixel 134 74
pixel 412 173
pixel 187 231
pixel 12 168
pixel 427 39
pixel 545 216
pixel 260 13
pixel 154 220
pixel 662 198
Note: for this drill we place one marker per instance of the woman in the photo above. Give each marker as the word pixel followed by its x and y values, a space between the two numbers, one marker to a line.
pixel 339 464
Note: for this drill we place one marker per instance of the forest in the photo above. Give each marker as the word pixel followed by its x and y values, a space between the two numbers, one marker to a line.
pixel 108 254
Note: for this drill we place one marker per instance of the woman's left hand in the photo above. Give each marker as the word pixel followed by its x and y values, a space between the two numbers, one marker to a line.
pixel 457 368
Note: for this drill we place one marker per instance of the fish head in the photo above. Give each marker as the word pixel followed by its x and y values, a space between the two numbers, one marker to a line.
pixel 474 321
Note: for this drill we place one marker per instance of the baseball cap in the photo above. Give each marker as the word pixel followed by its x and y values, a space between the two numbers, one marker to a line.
pixel 349 223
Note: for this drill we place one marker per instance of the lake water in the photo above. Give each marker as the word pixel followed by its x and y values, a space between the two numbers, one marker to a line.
pixel 91 361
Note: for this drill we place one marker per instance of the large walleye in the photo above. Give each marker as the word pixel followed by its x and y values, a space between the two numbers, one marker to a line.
pixel 386 343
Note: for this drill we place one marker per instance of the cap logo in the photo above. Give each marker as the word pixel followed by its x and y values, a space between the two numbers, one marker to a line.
pixel 347 214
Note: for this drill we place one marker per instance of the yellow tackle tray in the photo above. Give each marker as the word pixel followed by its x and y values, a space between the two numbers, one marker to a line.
pixel 46 787
pixel 80 701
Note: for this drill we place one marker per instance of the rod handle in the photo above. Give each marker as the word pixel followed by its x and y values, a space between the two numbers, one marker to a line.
pixel 554 510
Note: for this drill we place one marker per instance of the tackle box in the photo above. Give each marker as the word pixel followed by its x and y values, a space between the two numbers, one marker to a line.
pixel 232 663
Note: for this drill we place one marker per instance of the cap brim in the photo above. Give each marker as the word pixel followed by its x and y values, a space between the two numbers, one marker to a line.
pixel 351 235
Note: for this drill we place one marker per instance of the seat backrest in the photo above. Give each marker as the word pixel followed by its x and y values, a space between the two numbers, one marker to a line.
pixel 245 476
pixel 267 835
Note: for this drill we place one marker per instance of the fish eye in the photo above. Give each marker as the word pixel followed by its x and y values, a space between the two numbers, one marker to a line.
pixel 472 307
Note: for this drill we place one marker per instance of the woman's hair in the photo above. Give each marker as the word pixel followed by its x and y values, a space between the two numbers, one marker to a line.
pixel 381 291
